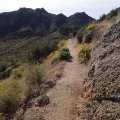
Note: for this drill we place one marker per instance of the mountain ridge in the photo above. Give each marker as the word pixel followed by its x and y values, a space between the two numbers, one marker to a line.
pixel 40 22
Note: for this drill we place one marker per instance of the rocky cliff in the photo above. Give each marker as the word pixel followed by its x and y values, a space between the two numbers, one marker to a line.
pixel 102 86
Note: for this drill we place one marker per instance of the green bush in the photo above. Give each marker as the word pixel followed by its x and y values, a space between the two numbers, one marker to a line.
pixel 2 67
pixel 64 54
pixel 54 46
pixel 17 76
pixel 17 73
pixel 11 96
pixel 112 14
pixel 84 55
pixel 34 74
pixel 61 43
pixel 80 34
pixel 38 53
pixel 4 75
pixel 91 26
pixel 35 54
pixel 83 31
pixel 102 18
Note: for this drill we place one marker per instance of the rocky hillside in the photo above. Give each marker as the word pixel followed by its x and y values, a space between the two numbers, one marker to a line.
pixel 25 28
pixel 26 22
pixel 102 85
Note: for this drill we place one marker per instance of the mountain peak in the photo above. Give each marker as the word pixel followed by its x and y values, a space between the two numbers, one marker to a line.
pixel 24 9
pixel 16 20
pixel 41 10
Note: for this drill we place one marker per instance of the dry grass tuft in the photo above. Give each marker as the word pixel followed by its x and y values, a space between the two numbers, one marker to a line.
pixel 84 51
pixel 12 94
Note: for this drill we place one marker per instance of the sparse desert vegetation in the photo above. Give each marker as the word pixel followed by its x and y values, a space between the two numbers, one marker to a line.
pixel 12 95
pixel 84 30
pixel 113 13
pixel 27 79
pixel 53 65
pixel 84 51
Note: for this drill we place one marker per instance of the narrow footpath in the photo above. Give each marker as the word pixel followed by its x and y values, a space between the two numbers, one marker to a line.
pixel 64 96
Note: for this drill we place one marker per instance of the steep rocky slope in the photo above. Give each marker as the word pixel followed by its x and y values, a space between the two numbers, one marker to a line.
pixel 102 86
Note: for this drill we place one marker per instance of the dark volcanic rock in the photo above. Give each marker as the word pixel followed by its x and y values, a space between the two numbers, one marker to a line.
pixel 40 22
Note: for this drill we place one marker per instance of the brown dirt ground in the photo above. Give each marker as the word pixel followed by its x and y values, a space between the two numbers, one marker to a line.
pixel 65 95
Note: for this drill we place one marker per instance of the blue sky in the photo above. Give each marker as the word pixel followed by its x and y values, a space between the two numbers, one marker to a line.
pixel 94 8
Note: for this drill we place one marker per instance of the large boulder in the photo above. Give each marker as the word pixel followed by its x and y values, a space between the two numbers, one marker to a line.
pixel 88 37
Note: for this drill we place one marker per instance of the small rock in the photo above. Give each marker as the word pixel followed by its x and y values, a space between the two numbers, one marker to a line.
pixel 42 101
pixel 51 84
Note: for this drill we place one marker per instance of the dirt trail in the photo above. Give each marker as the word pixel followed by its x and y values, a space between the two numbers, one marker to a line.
pixel 64 96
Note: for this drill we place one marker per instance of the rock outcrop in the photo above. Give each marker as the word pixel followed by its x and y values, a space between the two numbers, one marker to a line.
pixel 88 37
pixel 103 81
pixel 42 101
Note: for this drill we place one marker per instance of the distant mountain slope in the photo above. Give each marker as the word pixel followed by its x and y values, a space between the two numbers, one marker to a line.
pixel 26 22
pixel 22 30
pixel 75 22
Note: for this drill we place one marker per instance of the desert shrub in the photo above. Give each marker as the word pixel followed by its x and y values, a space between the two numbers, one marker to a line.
pixel 61 43
pixel 84 30
pixel 15 65
pixel 91 26
pixel 112 14
pixel 2 67
pixel 11 95
pixel 34 73
pixel 84 53
pixel 17 72
pixel 64 54
pixel 54 46
pixel 4 75
pixel 103 17
pixel 33 76
pixel 35 54
pixel 80 34
pixel 7 71
pixel 17 75
pixel 53 57
pixel 39 53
